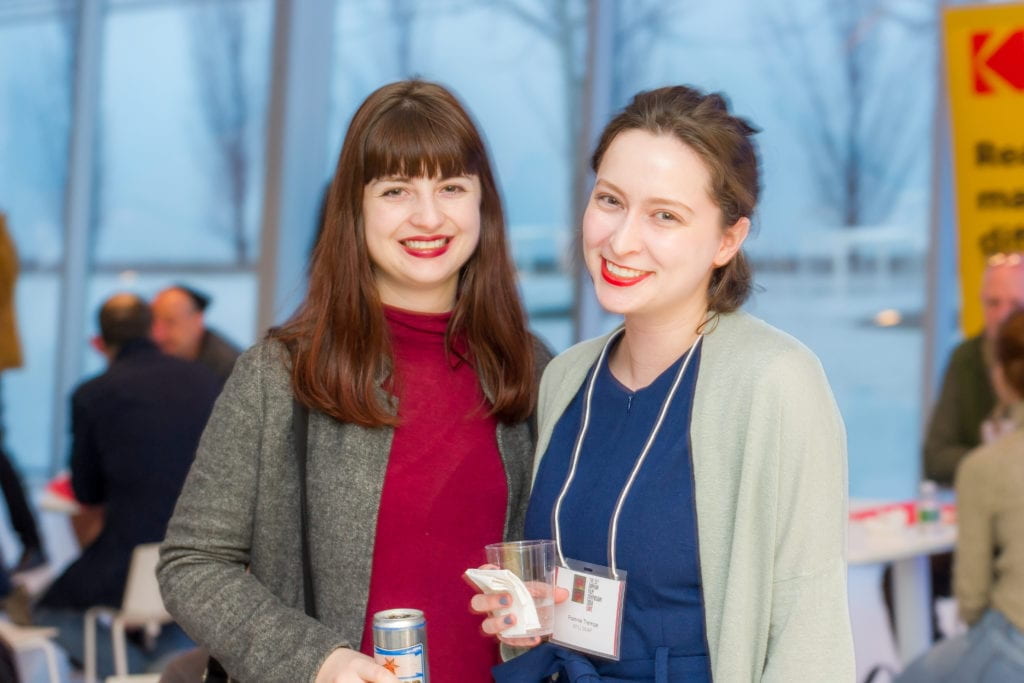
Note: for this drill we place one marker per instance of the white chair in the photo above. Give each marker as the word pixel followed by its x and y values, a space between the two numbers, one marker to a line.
pixel 142 607
pixel 26 638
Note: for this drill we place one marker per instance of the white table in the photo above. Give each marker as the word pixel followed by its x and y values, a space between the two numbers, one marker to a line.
pixel 907 549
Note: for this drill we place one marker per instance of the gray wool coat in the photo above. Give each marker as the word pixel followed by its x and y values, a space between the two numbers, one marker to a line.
pixel 230 567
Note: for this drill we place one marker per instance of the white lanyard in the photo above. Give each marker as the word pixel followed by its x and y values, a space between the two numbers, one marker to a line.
pixel 613 527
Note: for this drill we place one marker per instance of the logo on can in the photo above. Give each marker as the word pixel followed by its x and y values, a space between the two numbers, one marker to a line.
pixel 400 644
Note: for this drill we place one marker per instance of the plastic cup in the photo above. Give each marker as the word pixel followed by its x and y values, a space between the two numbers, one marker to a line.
pixel 534 563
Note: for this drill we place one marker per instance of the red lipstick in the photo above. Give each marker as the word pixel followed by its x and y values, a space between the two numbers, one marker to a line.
pixel 432 252
pixel 618 280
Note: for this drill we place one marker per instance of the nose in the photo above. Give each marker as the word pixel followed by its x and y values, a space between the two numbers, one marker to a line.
pixel 427 215
pixel 626 238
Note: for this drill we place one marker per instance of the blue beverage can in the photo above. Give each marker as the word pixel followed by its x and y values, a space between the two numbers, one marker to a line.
pixel 400 644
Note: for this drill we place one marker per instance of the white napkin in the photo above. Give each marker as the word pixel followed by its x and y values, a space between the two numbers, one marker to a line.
pixel 504 581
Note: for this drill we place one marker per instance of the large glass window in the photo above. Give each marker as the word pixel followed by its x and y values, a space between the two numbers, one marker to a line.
pixel 35 116
pixel 844 95
pixel 175 180
pixel 178 172
pixel 179 156
pixel 844 92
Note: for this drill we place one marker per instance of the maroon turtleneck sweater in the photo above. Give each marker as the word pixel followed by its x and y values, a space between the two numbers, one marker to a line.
pixel 444 498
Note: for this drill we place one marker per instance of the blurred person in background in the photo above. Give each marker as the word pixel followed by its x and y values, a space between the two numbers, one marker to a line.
pixel 989 557
pixel 411 363
pixel 967 412
pixel 179 329
pixel 134 432
pixel 21 517
pixel 967 398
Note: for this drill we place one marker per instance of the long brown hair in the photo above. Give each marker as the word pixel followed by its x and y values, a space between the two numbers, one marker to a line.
pixel 722 141
pixel 338 339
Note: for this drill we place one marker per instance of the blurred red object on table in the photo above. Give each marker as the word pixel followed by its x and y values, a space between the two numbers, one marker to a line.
pixel 905 511
pixel 58 496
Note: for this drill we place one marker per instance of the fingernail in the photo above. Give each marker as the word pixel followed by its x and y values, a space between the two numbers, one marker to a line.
pixel 508 620
pixel 504 600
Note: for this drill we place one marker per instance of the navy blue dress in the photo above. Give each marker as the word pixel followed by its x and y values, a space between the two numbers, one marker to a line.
pixel 663 630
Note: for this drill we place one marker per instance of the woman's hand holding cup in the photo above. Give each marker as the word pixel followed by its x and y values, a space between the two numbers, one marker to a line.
pixel 533 566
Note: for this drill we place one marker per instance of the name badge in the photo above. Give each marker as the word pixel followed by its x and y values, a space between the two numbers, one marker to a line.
pixel 590 620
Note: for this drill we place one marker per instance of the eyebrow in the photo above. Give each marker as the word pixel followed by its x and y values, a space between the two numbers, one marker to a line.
pixel 650 200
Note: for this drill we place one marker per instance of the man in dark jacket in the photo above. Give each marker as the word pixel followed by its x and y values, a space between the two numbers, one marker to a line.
pixel 135 429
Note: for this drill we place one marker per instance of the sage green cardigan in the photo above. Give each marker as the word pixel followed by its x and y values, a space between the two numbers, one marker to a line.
pixel 769 459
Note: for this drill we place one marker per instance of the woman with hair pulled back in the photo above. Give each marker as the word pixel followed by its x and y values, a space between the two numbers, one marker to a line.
pixel 410 365
pixel 695 454
pixel 988 566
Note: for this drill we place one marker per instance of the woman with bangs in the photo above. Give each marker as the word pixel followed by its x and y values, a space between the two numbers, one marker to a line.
pixel 410 368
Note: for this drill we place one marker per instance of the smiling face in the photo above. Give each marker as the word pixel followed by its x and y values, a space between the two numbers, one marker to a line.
pixel 652 236
pixel 420 232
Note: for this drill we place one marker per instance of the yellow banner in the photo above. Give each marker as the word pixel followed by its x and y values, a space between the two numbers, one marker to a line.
pixel 985 79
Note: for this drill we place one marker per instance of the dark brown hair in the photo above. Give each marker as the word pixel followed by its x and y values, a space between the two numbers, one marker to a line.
pixel 338 339
pixel 703 123
pixel 124 318
pixel 1009 350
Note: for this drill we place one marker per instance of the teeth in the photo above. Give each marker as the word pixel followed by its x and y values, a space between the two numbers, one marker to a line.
pixel 425 244
pixel 623 272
